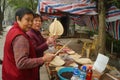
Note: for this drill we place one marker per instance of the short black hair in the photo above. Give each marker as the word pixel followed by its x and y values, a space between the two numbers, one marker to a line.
pixel 22 11
pixel 37 15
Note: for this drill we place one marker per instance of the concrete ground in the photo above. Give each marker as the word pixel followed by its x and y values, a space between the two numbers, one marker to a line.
pixel 2 39
pixel 43 73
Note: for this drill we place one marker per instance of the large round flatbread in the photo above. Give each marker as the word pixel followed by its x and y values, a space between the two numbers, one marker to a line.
pixel 75 56
pixel 56 28
pixel 57 61
pixel 71 52
pixel 83 61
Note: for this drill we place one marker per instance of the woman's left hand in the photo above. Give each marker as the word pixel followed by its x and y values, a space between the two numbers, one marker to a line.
pixel 51 40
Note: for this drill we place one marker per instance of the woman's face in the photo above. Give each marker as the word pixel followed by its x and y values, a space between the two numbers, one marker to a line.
pixel 26 22
pixel 36 23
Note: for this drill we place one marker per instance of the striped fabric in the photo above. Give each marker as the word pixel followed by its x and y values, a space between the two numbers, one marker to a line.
pixel 113 14
pixel 117 29
pixel 84 7
pixel 89 21
pixel 94 20
pixel 113 22
pixel 78 7
pixel 113 28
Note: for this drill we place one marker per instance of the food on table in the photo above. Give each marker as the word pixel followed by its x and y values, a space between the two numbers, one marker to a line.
pixel 57 61
pixel 57 47
pixel 70 52
pixel 67 75
pixel 66 49
pixel 72 64
pixel 67 63
pixel 83 61
pixel 75 56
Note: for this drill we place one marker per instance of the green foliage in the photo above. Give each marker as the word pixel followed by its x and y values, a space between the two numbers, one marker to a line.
pixel 116 44
pixel 114 2
pixel 91 33
pixel 32 4
pixel 108 3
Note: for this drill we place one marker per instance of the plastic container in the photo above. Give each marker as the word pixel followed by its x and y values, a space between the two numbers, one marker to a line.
pixel 89 73
pixel 76 73
pixel 65 69
pixel 83 73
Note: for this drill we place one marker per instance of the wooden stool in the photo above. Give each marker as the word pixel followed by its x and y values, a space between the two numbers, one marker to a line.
pixel 88 46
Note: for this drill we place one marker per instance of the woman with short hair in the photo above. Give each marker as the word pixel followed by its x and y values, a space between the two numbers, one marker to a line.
pixel 20 61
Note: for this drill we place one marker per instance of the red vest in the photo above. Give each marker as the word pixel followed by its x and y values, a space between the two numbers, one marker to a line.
pixel 9 69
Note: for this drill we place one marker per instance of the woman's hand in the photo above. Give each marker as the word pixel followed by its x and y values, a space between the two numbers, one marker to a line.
pixel 51 40
pixel 48 57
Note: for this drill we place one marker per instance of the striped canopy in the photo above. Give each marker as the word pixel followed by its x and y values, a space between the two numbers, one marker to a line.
pixel 113 14
pixel 70 6
pixel 113 22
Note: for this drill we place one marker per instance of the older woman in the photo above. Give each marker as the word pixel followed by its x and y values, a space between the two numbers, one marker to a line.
pixel 39 42
pixel 20 61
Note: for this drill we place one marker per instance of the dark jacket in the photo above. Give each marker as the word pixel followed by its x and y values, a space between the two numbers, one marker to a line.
pixel 38 41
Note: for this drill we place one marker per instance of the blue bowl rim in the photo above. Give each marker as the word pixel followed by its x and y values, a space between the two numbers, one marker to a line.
pixel 58 73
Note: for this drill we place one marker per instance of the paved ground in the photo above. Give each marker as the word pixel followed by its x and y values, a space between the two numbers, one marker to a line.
pixel 73 45
pixel 2 39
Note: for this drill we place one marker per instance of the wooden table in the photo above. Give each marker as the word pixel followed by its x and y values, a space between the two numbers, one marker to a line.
pixel 52 73
pixel 87 46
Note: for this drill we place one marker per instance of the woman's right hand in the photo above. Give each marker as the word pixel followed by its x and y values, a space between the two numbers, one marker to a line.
pixel 48 57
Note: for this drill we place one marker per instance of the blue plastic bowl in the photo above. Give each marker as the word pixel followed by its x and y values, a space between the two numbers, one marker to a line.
pixel 65 69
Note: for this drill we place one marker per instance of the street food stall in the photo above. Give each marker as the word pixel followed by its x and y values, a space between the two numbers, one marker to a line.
pixel 66 57
pixel 69 58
